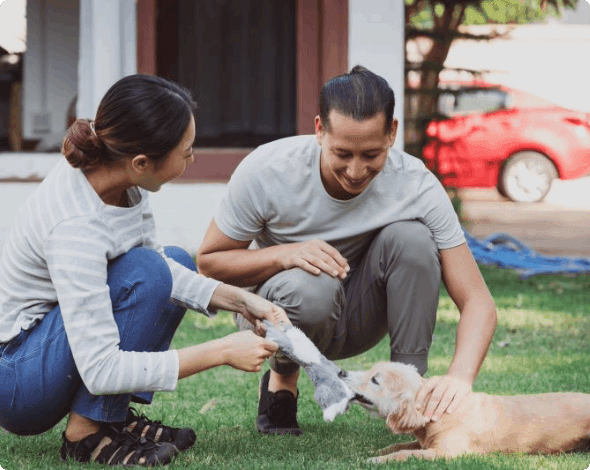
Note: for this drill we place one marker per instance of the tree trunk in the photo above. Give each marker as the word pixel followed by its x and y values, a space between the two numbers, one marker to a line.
pixel 421 97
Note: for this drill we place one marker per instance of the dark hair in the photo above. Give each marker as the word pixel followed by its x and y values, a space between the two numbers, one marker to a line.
pixel 360 94
pixel 139 115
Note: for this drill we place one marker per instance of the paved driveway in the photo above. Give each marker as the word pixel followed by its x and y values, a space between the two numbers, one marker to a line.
pixel 560 225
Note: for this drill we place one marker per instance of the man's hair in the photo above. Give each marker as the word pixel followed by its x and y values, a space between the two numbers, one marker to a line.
pixel 360 94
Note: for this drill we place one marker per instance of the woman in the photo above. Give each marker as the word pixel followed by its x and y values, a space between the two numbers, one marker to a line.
pixel 89 302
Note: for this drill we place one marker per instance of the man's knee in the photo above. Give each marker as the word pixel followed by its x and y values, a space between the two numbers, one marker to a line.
pixel 410 242
pixel 420 361
pixel 310 301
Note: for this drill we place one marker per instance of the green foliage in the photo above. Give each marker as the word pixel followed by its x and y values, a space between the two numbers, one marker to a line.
pixel 541 345
pixel 422 13
pixel 515 11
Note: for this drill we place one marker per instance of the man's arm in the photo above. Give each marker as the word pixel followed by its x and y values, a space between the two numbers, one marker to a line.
pixel 478 318
pixel 230 261
pixel 477 323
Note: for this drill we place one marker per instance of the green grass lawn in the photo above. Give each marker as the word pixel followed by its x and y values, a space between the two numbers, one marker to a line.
pixel 542 344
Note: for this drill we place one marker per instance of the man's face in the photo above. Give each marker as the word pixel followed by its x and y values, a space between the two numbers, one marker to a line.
pixel 353 152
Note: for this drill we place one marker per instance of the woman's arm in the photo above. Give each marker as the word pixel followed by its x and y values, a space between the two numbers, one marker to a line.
pixel 244 351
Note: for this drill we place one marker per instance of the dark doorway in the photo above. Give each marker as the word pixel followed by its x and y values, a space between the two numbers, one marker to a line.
pixel 238 57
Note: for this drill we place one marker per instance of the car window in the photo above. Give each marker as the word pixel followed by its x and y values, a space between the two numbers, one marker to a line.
pixel 471 101
pixel 446 103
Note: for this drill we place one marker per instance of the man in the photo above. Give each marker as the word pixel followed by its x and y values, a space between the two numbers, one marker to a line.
pixel 351 238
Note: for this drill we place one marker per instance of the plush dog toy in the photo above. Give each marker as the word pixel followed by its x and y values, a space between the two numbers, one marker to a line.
pixel 331 393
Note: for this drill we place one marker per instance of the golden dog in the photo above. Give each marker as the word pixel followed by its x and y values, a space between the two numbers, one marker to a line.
pixel 546 423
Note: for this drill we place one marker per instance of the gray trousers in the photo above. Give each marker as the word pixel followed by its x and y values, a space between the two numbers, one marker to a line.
pixel 394 289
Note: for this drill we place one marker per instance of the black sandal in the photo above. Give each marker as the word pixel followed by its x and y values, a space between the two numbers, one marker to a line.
pixel 122 448
pixel 137 423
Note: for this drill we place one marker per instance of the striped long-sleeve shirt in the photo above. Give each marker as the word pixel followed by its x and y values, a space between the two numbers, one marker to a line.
pixel 57 253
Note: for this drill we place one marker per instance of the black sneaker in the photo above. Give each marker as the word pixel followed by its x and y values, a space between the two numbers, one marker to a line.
pixel 277 412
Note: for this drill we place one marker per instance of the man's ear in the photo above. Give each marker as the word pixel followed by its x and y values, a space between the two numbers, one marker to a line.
pixel 319 129
pixel 393 131
pixel 140 164
pixel 405 419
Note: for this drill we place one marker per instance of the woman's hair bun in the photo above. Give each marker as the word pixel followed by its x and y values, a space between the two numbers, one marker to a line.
pixel 81 146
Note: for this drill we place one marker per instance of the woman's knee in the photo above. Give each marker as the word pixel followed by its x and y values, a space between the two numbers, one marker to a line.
pixel 140 268
pixel 180 256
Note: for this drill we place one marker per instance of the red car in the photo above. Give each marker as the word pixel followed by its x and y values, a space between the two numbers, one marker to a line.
pixel 502 137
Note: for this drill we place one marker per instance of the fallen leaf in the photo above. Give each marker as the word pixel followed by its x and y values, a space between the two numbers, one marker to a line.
pixel 208 406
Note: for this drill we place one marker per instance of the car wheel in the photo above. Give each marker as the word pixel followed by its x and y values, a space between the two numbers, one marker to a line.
pixel 527 177
pixel 500 188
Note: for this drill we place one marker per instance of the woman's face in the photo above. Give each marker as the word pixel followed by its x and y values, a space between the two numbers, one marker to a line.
pixel 174 164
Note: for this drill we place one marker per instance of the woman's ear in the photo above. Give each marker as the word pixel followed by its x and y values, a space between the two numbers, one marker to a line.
pixel 140 164
pixel 406 419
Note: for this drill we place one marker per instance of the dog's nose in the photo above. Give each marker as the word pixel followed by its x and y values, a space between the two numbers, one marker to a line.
pixel 342 374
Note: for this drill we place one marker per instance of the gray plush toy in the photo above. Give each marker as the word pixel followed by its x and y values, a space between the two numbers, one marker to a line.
pixel 331 393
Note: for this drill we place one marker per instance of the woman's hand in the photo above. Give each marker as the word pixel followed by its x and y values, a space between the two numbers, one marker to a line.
pixel 256 308
pixel 253 307
pixel 441 393
pixel 246 351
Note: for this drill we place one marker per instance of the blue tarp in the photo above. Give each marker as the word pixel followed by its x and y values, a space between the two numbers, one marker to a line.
pixel 505 251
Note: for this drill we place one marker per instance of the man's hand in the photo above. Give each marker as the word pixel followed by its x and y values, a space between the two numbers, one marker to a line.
pixel 315 257
pixel 441 393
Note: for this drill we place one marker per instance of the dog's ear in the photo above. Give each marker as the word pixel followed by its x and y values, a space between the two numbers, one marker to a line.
pixel 406 418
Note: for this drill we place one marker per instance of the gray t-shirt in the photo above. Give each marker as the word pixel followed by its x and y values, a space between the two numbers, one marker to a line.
pixel 276 196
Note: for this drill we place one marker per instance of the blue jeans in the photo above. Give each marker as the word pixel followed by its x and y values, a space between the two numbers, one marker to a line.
pixel 39 382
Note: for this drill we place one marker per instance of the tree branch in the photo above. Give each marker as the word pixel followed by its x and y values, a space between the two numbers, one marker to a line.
pixel 436 66
pixel 440 35
pixel 458 19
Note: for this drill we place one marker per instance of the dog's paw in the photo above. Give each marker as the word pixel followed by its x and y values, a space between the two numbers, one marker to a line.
pixel 398 456
pixel 379 460
pixel 402 455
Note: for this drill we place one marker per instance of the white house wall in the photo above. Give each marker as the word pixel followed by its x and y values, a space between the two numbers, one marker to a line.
pixel 108 49
pixel 91 42
pixel 376 41
pixel 50 68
